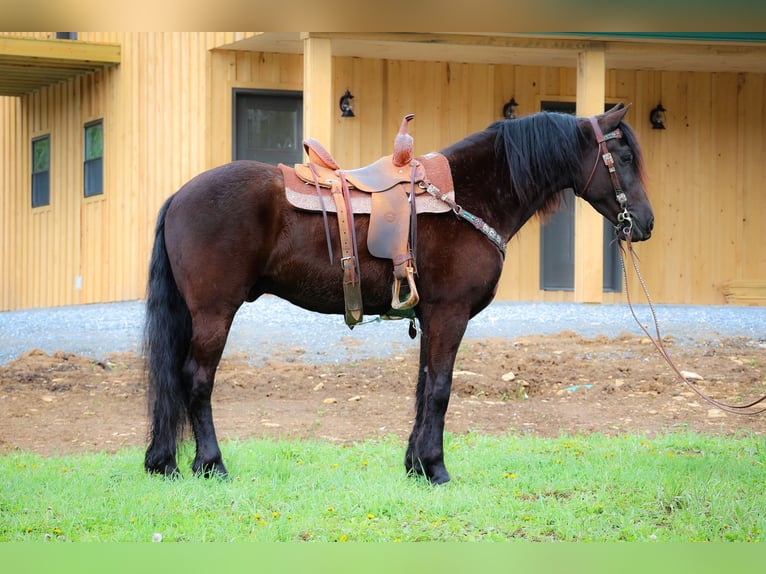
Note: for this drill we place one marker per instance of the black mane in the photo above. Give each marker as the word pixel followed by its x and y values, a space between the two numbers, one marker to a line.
pixel 542 152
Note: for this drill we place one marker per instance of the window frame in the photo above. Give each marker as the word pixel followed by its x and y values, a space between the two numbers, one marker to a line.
pixel 93 167
pixel 40 180
pixel 271 156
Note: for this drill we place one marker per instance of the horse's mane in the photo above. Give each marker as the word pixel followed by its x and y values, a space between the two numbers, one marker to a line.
pixel 543 151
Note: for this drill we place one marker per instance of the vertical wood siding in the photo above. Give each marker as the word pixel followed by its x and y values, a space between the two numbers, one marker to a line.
pixel 167 111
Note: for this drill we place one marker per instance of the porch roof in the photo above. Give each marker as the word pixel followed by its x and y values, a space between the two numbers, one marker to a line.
pixel 28 64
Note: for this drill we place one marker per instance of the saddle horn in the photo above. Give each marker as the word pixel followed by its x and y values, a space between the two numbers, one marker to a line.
pixel 404 144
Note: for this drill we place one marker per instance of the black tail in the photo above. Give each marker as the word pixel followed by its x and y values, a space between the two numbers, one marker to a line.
pixel 167 334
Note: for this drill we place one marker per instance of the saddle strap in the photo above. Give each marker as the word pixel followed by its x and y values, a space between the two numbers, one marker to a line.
pixel 324 211
pixel 349 262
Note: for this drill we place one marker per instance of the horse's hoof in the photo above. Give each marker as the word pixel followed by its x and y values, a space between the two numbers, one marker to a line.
pixel 214 469
pixel 439 477
pixel 166 467
pixel 167 471
pixel 436 474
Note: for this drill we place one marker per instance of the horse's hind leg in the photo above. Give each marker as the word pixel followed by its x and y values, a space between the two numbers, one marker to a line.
pixel 208 341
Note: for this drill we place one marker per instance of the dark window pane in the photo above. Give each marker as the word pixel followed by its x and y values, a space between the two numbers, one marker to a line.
pixel 94 177
pixel 41 154
pixel 557 248
pixel 41 189
pixel 94 141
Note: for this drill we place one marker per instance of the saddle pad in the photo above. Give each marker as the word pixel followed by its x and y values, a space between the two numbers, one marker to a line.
pixel 304 196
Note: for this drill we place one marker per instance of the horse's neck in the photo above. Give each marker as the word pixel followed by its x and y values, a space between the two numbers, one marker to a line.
pixel 481 189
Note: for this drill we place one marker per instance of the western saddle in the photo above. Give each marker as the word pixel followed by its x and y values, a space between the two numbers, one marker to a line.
pixel 391 191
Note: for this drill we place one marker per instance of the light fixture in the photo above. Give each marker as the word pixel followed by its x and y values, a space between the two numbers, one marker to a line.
pixel 509 109
pixel 657 117
pixel 345 105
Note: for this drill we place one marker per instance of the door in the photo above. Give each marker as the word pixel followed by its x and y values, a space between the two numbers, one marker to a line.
pixel 268 126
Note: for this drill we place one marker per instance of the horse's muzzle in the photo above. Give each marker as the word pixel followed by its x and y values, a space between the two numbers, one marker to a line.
pixel 639 230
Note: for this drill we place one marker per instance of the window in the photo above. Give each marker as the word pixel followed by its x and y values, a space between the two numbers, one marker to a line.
pixel 268 126
pixel 93 175
pixel 66 35
pixel 41 178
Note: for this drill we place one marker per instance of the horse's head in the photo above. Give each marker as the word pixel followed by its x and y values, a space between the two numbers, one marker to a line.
pixel 613 176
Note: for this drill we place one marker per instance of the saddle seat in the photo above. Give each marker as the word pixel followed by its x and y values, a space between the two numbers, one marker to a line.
pixel 380 175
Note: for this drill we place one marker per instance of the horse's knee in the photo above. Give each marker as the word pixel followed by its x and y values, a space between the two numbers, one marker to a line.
pixel 441 388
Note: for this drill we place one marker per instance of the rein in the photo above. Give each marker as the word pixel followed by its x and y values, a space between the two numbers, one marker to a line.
pixel 625 226
pixel 658 344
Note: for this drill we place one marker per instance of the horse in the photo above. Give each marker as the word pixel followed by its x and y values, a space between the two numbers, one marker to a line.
pixel 228 236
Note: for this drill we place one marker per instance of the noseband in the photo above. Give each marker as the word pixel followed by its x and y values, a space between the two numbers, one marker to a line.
pixel 624 221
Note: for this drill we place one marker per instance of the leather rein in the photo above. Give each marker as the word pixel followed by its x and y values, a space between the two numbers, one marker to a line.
pixel 624 227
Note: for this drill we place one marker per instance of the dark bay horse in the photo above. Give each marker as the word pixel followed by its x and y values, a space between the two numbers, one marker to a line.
pixel 229 236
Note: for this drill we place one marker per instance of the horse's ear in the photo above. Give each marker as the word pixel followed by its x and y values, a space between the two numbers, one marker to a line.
pixel 612 118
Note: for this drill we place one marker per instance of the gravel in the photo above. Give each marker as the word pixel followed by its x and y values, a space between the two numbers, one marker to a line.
pixel 272 327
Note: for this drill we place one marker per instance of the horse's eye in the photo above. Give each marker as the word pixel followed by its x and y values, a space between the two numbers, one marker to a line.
pixel 627 158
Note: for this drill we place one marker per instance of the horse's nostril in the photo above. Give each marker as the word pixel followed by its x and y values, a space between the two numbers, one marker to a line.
pixel 650 224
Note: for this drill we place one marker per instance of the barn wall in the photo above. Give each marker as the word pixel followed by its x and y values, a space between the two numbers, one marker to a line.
pixel 703 172
pixel 167 111
pixel 154 106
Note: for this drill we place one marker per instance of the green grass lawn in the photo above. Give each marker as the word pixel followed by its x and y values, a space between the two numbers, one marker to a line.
pixel 677 487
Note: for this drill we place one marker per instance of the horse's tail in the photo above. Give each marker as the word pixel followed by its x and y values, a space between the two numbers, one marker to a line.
pixel 167 335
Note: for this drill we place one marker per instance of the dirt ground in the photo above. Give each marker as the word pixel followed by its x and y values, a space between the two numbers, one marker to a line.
pixel 543 385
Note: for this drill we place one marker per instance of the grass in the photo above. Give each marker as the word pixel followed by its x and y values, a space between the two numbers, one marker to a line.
pixel 676 487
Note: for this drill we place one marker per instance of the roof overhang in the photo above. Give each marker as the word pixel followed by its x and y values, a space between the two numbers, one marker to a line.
pixel 28 64
pixel 668 52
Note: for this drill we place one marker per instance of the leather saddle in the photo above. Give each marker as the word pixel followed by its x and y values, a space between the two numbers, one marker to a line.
pixel 388 189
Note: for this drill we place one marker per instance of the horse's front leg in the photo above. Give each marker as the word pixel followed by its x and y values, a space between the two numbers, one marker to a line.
pixel 439 343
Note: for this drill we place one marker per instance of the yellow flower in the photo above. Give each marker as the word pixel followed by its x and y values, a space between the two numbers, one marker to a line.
pixel 370 516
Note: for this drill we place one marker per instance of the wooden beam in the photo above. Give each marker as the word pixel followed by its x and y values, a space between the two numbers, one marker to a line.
pixel 60 50
pixel 588 224
pixel 28 64
pixel 318 98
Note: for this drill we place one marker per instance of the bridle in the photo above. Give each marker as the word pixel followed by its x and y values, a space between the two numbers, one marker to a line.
pixel 624 221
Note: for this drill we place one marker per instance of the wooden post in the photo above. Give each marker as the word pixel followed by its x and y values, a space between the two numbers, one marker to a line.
pixel 318 99
pixel 588 224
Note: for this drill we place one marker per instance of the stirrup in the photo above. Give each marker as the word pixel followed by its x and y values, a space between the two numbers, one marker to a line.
pixel 412 298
